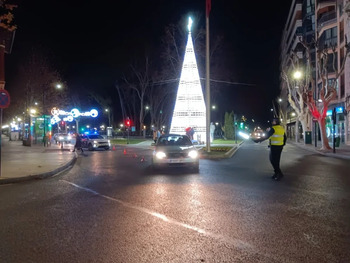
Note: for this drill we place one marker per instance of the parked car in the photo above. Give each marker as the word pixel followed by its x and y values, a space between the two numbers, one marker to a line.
pixel 175 150
pixel 62 137
pixel 95 141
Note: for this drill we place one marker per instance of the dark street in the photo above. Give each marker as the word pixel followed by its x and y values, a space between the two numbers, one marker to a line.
pixel 111 207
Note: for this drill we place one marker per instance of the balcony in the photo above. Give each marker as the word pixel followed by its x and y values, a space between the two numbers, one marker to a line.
pixel 326 19
pixel 319 2
pixel 347 8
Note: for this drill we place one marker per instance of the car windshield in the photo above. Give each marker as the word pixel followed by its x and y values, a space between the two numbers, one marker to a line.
pixel 174 140
pixel 95 136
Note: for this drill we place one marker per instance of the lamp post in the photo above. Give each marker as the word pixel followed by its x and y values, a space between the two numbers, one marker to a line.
pixel 58 86
pixel 109 117
pixel 32 112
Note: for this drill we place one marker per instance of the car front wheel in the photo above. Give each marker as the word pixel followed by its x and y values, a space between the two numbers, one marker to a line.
pixel 90 147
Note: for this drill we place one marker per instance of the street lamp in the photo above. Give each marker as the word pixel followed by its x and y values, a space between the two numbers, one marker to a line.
pixel 58 86
pixel 109 117
pixel 297 74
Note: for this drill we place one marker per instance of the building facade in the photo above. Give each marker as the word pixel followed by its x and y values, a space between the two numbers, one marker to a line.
pixel 328 21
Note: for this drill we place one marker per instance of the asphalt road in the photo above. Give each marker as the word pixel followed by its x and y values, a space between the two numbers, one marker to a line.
pixel 110 207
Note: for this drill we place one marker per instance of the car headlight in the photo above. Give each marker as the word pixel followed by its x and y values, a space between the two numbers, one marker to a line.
pixel 69 137
pixel 263 134
pixel 60 138
pixel 193 154
pixel 160 155
pixel 95 142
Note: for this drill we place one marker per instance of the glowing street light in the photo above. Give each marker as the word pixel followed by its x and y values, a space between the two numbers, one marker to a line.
pixel 297 74
pixel 109 117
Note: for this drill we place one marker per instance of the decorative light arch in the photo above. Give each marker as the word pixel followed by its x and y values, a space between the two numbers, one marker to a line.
pixel 69 116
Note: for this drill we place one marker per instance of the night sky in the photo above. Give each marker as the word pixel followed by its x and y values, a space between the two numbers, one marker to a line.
pixel 91 42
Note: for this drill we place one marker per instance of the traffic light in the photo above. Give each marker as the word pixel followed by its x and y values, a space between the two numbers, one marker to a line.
pixel 62 125
pixel 128 123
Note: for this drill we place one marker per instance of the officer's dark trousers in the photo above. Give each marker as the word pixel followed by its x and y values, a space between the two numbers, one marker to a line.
pixel 275 157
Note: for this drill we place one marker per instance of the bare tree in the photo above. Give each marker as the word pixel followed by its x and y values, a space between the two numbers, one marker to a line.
pixel 141 75
pixel 155 85
pixel 6 16
pixel 296 87
pixel 327 91
pixel 159 99
pixel 301 92
pixel 36 83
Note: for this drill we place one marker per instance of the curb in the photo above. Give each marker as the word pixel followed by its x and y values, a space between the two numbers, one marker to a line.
pixel 45 175
pixel 328 154
pixel 226 155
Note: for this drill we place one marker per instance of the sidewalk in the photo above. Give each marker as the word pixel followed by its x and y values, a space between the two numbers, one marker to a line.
pixel 20 163
pixel 343 151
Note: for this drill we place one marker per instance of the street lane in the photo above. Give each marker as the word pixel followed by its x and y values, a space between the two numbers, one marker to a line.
pixel 112 208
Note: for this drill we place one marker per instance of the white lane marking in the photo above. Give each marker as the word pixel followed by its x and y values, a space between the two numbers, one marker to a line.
pixel 235 242
pixel 232 241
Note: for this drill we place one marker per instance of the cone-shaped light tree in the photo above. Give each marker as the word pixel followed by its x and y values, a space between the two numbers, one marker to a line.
pixel 189 108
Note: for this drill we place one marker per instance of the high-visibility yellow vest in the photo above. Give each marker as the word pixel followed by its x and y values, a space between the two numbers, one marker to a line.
pixel 278 137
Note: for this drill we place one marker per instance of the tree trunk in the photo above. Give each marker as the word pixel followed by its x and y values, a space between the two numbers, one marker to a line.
pixel 297 130
pixel 324 139
pixel 304 127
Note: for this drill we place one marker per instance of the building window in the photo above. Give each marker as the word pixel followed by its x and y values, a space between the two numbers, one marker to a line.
pixel 331 37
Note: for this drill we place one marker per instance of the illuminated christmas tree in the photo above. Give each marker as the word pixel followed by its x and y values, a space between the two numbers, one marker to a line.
pixel 189 108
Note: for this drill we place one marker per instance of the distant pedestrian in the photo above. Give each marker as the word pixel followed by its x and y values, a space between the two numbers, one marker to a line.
pixel 277 137
pixel 154 135
pixel 78 145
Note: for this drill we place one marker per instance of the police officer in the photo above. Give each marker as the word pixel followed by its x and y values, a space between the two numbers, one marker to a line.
pixel 277 138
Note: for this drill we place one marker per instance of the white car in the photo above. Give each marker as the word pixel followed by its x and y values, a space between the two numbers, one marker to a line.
pixel 95 141
pixel 175 150
pixel 62 137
